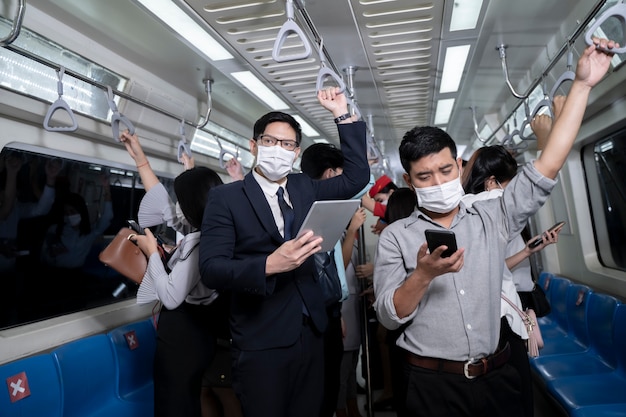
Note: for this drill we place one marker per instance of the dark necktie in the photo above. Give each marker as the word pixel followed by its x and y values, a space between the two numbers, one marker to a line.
pixel 287 212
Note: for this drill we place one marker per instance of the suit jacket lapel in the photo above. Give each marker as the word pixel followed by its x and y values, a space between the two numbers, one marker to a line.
pixel 261 207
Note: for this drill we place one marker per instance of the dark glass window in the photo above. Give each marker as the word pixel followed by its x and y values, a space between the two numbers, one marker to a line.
pixel 605 164
pixel 48 267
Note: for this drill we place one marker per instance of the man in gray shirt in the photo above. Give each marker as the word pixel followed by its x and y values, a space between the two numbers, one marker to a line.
pixel 451 305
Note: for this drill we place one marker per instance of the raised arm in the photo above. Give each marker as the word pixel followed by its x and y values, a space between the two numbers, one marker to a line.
pixel 148 177
pixel 592 66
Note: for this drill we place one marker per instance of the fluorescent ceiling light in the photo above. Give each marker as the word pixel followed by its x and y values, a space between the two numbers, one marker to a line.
pixel 453 66
pixel 465 14
pixel 185 26
pixel 320 140
pixel 444 110
pixel 256 87
pixel 307 129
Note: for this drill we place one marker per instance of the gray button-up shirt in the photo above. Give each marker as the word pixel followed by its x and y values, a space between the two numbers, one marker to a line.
pixel 458 317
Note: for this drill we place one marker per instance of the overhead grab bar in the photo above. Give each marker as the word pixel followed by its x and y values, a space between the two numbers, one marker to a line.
pixel 473 108
pixel 117 117
pixel 326 72
pixel 289 27
pixel 568 75
pixel 60 104
pixel 224 152
pixel 502 49
pixel 183 146
pixel 578 31
pixel 209 103
pixel 617 11
pixel 17 25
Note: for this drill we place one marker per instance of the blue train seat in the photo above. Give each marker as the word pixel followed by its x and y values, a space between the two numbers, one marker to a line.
pixel 544 279
pixel 604 391
pixel 571 337
pixel 134 346
pixel 555 323
pixel 88 373
pixel 601 355
pixel 32 388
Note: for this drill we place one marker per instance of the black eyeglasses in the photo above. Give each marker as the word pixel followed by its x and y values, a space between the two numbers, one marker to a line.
pixel 269 140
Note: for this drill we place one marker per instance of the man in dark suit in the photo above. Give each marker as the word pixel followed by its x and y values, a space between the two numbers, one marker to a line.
pixel 278 314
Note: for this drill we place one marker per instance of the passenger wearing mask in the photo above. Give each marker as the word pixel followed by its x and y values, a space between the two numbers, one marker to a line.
pixel 487 173
pixel 376 201
pixel 191 316
pixel 248 246
pixel 453 364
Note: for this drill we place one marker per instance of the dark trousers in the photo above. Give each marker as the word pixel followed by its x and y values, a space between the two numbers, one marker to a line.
pixel 439 394
pixel 519 361
pixel 185 348
pixel 333 351
pixel 282 382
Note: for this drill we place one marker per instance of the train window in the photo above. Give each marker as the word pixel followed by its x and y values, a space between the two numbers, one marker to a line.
pixel 29 77
pixel 210 144
pixel 49 267
pixel 604 163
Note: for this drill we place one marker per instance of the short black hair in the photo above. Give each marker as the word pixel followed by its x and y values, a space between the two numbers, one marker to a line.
pixel 192 190
pixel 277 116
pixel 421 141
pixel 318 157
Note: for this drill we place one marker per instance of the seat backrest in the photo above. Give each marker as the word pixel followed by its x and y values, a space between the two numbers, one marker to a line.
pixel 544 280
pixel 558 300
pixel 577 303
pixel 619 337
pixel 600 319
pixel 31 387
pixel 88 374
pixel 134 346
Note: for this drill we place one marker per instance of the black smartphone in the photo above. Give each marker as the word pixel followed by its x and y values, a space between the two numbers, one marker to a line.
pixel 436 238
pixel 135 226
pixel 539 240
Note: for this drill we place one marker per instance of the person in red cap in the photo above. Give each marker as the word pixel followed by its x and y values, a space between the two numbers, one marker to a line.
pixel 376 200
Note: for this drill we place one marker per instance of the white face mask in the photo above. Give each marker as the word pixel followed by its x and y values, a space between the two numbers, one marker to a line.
pixel 73 219
pixel 440 198
pixel 274 161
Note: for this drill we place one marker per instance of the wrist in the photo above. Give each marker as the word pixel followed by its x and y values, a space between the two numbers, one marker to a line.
pixel 342 117
pixel 143 164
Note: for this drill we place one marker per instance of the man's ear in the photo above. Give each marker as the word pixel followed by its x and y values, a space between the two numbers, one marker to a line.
pixel 253 147
pixel 407 181
pixel 328 173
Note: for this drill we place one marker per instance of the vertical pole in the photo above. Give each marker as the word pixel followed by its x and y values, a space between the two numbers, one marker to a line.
pixel 365 326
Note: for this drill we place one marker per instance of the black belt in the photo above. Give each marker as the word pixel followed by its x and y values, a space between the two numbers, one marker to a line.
pixel 471 369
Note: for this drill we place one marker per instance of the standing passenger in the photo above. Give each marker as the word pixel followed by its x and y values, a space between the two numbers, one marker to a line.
pixel 188 322
pixel 453 364
pixel 248 246
pixel 488 172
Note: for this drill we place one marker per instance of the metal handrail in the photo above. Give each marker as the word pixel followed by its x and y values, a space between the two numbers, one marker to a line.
pixel 17 25
pixel 100 85
pixel 564 48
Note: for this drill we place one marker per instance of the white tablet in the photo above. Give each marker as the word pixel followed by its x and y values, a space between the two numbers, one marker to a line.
pixel 328 219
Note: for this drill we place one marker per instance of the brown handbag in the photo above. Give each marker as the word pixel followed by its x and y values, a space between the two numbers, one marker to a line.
pixel 124 256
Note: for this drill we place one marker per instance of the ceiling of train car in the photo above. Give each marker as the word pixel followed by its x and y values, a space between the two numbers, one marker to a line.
pixel 397 48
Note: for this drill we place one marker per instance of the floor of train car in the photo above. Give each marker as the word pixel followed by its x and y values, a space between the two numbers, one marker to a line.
pixel 544 406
